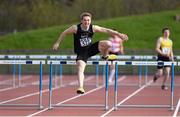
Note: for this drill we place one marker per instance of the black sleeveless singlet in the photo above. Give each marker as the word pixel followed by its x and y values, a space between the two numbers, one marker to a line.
pixel 82 39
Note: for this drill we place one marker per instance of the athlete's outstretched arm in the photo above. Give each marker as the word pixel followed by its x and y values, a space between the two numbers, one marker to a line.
pixel 109 31
pixel 70 30
pixel 171 54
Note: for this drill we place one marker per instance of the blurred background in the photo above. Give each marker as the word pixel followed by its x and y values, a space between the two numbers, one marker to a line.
pixel 22 15
pixel 32 26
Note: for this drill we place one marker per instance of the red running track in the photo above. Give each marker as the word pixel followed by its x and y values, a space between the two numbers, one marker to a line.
pixel 28 93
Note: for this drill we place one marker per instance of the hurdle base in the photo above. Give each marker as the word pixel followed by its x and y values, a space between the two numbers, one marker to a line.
pixel 21 105
pixel 41 107
pixel 143 106
pixel 80 105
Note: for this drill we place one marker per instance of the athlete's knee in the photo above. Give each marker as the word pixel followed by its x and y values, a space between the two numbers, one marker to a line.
pixel 105 44
pixel 81 65
pixel 166 74
pixel 159 73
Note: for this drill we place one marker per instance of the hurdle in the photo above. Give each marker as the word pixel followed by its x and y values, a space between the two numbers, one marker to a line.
pixel 70 57
pixel 26 62
pixel 97 58
pixel 60 57
pixel 65 62
pixel 144 63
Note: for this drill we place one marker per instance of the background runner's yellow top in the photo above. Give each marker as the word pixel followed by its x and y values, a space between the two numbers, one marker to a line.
pixel 166 45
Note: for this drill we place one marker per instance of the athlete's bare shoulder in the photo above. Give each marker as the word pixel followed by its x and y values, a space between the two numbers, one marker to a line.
pixel 97 28
pixel 71 29
pixel 160 39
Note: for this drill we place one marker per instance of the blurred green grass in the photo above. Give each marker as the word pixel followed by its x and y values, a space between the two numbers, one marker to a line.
pixel 143 31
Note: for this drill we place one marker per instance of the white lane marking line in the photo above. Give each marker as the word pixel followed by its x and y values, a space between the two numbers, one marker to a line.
pixel 38 112
pixel 11 80
pixel 9 88
pixel 32 94
pixel 137 91
pixel 18 98
pixel 177 109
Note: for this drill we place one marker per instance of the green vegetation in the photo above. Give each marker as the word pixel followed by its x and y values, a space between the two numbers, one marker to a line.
pixel 143 31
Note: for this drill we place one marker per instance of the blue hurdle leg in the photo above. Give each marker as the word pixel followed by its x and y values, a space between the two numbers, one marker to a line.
pixel 60 74
pixel 106 86
pixel 50 86
pixel 97 75
pixel 172 86
pixel 19 76
pixel 55 74
pixel 40 85
pixel 104 74
pixel 115 86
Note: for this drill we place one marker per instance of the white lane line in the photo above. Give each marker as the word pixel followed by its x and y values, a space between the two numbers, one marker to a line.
pixel 38 112
pixel 72 83
pixel 9 88
pixel 18 98
pixel 43 82
pixel 90 91
pixel 120 79
pixel 177 109
pixel 32 94
pixel 11 80
pixel 137 91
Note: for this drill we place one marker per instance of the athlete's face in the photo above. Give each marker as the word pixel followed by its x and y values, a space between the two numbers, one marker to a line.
pixel 86 21
pixel 166 33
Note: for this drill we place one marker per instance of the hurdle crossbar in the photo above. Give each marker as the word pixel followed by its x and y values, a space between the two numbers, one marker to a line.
pixel 64 62
pixel 148 63
pixel 26 62
pixel 130 57
pixel 22 62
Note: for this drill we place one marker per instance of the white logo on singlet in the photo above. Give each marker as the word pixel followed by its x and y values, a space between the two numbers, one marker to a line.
pixel 85 41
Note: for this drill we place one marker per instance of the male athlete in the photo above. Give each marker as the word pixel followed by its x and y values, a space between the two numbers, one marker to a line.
pixel 83 46
pixel 165 53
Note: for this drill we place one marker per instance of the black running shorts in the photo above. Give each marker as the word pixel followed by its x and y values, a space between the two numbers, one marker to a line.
pixel 164 59
pixel 88 52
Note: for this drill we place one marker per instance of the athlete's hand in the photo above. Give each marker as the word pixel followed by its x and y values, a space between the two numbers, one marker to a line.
pixel 55 46
pixel 123 36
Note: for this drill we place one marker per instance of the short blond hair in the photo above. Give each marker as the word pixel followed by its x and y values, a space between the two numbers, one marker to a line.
pixel 85 14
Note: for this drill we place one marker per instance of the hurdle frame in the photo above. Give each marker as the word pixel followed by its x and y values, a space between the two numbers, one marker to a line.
pixel 149 63
pixel 73 62
pixel 26 62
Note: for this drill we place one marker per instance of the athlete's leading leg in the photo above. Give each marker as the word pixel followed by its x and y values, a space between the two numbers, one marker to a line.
pixel 112 72
pixel 166 77
pixel 158 74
